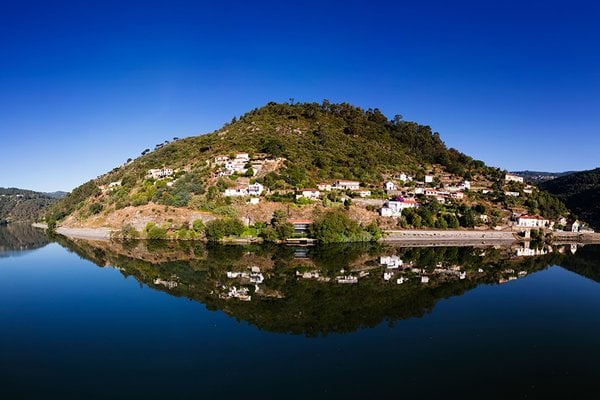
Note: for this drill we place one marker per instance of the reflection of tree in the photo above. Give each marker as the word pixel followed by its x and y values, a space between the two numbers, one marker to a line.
pixel 286 303
pixel 21 237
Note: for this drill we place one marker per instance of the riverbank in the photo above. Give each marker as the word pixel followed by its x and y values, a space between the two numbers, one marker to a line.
pixel 80 233
pixel 405 237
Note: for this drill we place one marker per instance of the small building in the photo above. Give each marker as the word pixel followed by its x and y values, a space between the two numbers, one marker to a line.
pixel 393 208
pixel 255 189
pixel 159 173
pixel 530 221
pixel 236 191
pixel 311 194
pixel 513 178
pixel 254 200
pixel 347 185
pixel 465 185
pixel 301 226
pixel 389 186
pixel 221 159
pixel 428 178
pixel 512 194
pixel 457 195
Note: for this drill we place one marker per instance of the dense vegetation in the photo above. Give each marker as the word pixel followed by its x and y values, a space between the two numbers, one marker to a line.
pixel 581 192
pixel 18 205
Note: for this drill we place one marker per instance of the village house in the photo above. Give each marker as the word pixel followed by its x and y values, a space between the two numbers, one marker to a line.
pixel 389 186
pixel 457 195
pixel 254 200
pixel 393 208
pixel 529 221
pixel 347 185
pixel 573 226
pixel 513 178
pixel 512 194
pixel 255 189
pixel 236 191
pixel 159 173
pixel 403 177
pixel 311 194
pixel 325 186
pixel 428 178
pixel 221 160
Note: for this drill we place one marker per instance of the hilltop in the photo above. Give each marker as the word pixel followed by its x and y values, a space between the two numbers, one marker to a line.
pixel 303 161
pixel 581 192
pixel 19 205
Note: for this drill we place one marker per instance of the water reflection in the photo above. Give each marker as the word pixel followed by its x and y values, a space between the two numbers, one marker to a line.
pixel 16 239
pixel 320 290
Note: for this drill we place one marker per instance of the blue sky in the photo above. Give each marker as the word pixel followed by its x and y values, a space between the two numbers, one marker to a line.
pixel 86 85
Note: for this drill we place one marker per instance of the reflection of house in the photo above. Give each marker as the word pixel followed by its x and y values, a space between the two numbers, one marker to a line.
pixel 301 226
pixel 236 191
pixel 391 262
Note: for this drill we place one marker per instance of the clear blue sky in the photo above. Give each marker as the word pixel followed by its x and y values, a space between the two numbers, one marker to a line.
pixel 84 85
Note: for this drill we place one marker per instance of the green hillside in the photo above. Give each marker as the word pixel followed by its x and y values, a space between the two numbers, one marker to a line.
pixel 581 192
pixel 300 146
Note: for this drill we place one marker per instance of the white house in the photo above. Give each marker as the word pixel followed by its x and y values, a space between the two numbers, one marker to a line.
pixel 236 191
pixel 513 178
pixel 311 194
pixel 466 185
pixel 114 184
pixel 529 221
pixel 345 185
pixel 428 178
pixel 458 195
pixel 159 173
pixel 393 208
pixel 221 159
pixel 255 189
pixel 403 177
pixel 254 200
pixel 389 185
pixel 512 194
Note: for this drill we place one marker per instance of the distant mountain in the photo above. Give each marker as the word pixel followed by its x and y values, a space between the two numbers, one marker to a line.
pixel 57 195
pixel 537 177
pixel 19 205
pixel 581 192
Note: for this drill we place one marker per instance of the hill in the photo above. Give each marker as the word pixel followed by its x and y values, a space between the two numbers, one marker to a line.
pixel 281 150
pixel 537 177
pixel 19 205
pixel 581 192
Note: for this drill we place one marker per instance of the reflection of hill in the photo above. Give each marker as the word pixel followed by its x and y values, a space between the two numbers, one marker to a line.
pixel 299 291
pixel 586 262
pixel 20 237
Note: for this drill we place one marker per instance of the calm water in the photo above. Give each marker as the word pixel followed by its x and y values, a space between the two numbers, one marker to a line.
pixel 156 320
